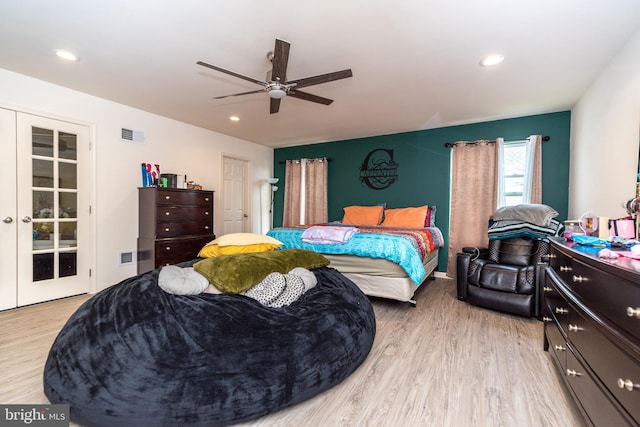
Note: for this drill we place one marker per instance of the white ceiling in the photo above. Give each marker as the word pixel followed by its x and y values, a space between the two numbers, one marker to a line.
pixel 415 62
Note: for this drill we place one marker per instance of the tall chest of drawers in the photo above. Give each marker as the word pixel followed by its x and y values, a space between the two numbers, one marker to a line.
pixel 173 225
pixel 592 331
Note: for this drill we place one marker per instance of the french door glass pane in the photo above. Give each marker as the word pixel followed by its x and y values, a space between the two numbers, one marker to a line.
pixel 67 146
pixel 43 204
pixel 43 266
pixel 68 175
pixel 42 142
pixel 67 264
pixel 42 173
pixel 68 205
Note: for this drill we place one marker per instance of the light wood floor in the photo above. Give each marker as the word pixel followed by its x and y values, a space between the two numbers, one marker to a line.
pixel 444 363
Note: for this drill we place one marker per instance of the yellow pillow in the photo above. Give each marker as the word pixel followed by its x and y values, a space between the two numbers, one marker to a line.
pixel 241 239
pixel 405 217
pixel 213 250
pixel 363 215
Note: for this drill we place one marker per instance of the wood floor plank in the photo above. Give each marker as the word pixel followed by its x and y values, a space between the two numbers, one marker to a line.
pixel 442 363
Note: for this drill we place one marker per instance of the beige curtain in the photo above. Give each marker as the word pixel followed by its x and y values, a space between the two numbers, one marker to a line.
pixel 536 176
pixel 305 192
pixel 473 196
pixel 315 208
pixel 292 186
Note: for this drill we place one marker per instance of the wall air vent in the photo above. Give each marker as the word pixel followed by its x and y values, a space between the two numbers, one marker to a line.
pixel 127 258
pixel 134 136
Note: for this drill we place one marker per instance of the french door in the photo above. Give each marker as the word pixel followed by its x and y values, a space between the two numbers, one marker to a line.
pixel 45 234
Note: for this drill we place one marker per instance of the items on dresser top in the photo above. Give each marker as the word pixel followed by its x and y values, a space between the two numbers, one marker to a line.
pixel 592 331
pixel 173 225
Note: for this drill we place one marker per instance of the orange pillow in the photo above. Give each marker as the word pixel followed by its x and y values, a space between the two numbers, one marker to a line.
pixel 405 217
pixel 363 215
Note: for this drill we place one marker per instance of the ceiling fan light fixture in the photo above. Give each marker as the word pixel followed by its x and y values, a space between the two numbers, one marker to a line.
pixel 277 93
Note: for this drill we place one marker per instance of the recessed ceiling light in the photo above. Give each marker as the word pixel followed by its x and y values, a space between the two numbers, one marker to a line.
pixel 493 59
pixel 234 118
pixel 65 54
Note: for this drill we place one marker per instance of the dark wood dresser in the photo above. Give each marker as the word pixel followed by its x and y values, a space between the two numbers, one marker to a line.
pixel 592 331
pixel 173 225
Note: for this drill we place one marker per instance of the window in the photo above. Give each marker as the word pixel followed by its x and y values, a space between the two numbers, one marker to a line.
pixel 515 172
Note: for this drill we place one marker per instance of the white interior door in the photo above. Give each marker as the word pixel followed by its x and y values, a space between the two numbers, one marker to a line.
pixel 8 211
pixel 51 212
pixel 235 217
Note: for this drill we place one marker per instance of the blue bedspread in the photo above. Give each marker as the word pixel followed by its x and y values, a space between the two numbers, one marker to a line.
pixel 396 248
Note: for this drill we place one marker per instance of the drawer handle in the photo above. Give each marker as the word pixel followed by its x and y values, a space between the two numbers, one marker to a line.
pixel 628 384
pixel 167 197
pixel 633 312
pixel 574 328
pixel 579 279
pixel 559 348
pixel 560 310
pixel 167 213
pixel 572 373
pixel 206 213
pixel 546 319
pixel 168 248
pixel 206 199
pixel 547 289
pixel 565 268
pixel 552 256
pixel 206 227
pixel 167 229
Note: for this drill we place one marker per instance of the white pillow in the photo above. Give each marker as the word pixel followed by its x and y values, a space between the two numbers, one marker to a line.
pixel 182 281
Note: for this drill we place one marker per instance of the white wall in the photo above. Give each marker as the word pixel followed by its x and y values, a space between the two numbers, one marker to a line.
pixel 605 128
pixel 177 147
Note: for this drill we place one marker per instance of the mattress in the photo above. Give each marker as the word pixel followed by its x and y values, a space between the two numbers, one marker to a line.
pixel 379 277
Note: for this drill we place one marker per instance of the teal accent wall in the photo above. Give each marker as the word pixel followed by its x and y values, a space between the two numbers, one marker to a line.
pixel 424 166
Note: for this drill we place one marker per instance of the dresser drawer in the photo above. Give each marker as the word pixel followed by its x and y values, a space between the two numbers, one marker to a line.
pixel 609 361
pixel 173 251
pixel 562 265
pixel 181 197
pixel 600 407
pixel 609 295
pixel 180 229
pixel 184 213
pixel 557 345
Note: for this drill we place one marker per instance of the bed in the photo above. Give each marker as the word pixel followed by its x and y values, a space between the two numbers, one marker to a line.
pixel 135 355
pixel 386 262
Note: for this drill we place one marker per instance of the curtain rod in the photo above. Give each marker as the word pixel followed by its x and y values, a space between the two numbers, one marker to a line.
pixel 492 141
pixel 282 162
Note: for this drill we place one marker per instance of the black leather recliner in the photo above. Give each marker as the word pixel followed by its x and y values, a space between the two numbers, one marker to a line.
pixel 505 277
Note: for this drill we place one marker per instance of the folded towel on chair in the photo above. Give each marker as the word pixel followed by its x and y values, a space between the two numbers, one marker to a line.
pixel 537 214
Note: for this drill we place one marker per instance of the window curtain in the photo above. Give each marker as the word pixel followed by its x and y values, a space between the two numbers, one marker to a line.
pixel 533 171
pixel 305 192
pixel 315 195
pixel 292 187
pixel 474 168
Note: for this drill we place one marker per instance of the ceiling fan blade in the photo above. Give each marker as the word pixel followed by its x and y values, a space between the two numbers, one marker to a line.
pixel 322 78
pixel 239 94
pixel 309 97
pixel 274 105
pixel 231 73
pixel 280 60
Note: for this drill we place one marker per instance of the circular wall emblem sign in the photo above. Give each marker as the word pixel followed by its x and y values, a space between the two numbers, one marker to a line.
pixel 378 170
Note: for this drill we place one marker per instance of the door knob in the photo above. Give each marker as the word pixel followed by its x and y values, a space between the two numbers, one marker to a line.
pixel 7 220
pixel 26 219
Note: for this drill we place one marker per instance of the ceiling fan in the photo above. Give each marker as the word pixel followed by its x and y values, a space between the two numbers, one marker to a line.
pixel 277 85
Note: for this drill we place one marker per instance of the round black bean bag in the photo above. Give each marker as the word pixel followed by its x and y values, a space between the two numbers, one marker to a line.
pixel 134 355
